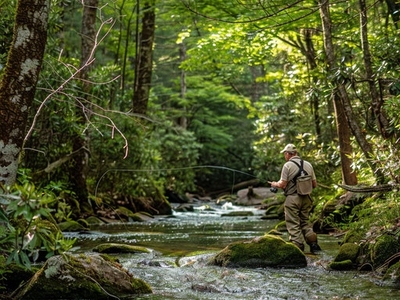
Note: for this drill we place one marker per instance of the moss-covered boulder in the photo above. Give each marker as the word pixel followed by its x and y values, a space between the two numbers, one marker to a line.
pixel 82 277
pixel 119 248
pixel 346 258
pixel 343 265
pixel 352 236
pixel 12 276
pixel 348 251
pixel 384 247
pixel 265 251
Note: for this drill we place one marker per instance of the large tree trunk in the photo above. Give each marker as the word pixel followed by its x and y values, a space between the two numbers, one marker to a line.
pixel 349 176
pixel 80 142
pixel 343 130
pixel 144 59
pixel 18 86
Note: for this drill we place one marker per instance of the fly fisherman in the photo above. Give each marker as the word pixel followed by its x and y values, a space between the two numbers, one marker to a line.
pixel 297 207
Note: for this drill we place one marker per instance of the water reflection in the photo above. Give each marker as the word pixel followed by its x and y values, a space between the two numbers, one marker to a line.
pixel 177 268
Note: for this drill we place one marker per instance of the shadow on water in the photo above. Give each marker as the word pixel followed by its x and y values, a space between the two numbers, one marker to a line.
pixel 177 266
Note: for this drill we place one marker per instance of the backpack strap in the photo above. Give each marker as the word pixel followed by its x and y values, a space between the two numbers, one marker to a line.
pixel 301 170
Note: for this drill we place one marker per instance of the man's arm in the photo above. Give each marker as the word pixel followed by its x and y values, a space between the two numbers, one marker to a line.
pixel 278 184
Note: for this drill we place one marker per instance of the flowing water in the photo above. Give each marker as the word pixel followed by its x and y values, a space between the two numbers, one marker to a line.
pixel 176 267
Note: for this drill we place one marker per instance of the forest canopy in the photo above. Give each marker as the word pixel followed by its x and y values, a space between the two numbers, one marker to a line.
pixel 134 99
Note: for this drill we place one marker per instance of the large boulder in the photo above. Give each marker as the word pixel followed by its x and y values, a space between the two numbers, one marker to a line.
pixel 266 251
pixel 82 277
pixel 253 196
pixel 346 259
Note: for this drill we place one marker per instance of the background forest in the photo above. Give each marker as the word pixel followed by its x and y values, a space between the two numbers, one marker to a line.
pixel 136 98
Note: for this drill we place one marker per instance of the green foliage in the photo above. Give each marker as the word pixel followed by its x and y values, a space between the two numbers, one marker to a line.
pixel 7 12
pixel 29 225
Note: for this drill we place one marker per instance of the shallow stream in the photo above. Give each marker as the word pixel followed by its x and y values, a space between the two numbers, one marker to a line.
pixel 181 244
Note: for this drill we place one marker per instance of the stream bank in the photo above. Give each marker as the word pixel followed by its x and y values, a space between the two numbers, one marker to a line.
pixel 180 244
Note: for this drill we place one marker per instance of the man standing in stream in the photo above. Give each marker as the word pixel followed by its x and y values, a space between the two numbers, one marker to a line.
pixel 297 207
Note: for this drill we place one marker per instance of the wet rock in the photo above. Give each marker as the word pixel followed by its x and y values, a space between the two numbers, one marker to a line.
pixel 265 251
pixel 384 247
pixel 81 277
pixel 348 251
pixel 119 248
pixel 346 258
pixel 342 265
pixel 184 208
pixel 238 214
pixel 253 196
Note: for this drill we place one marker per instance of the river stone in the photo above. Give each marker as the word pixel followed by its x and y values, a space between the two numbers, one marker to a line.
pixel 266 251
pixel 253 196
pixel 347 251
pixel 119 248
pixel 82 277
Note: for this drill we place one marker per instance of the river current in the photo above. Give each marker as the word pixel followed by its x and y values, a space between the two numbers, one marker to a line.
pixel 180 245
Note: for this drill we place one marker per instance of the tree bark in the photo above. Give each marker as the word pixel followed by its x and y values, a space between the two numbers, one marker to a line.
pixel 80 142
pixel 182 121
pixel 18 85
pixel 144 59
pixel 343 130
pixel 376 101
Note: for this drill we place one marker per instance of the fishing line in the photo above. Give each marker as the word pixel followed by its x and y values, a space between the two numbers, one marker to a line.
pixel 171 169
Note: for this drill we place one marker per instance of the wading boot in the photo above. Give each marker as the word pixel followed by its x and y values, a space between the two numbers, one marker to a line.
pixel 314 248
pixel 312 240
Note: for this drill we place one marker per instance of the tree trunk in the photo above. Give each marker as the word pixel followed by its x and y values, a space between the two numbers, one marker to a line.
pixel 182 121
pixel 348 176
pixel 376 101
pixel 393 9
pixel 144 59
pixel 18 85
pixel 79 164
pixel 309 52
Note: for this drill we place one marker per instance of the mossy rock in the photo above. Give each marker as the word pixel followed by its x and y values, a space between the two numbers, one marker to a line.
pixel 82 277
pixel 119 248
pixel 348 251
pixel 13 275
pixel 384 247
pixel 281 226
pixel 272 210
pixel 352 237
pixel 342 265
pixel 265 251
pixel 121 210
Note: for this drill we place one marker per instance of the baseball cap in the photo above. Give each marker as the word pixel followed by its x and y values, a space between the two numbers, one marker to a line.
pixel 289 148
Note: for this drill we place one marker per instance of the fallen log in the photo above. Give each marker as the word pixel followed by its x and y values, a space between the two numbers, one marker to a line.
pixel 368 189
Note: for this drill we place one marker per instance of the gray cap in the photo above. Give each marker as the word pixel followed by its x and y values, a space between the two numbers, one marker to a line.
pixel 289 148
